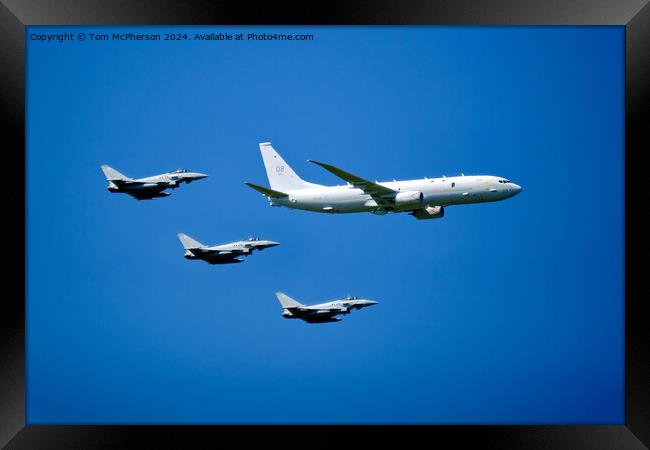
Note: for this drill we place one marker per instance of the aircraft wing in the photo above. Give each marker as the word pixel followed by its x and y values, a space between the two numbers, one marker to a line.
pixel 299 309
pixel 209 251
pixel 320 318
pixel 222 257
pixel 220 253
pixel 235 252
pixel 312 315
pixel 381 194
pixel 318 312
pixel 311 312
pixel 120 182
pixel 148 194
pixel 160 184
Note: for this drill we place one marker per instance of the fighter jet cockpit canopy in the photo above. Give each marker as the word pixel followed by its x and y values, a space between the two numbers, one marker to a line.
pixel 180 171
pixel 251 238
pixel 351 297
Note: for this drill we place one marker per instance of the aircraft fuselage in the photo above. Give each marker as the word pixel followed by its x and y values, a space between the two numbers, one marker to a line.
pixel 416 194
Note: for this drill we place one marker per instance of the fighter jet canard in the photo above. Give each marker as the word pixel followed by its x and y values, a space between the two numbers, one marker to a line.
pixel 422 198
pixel 231 253
pixel 150 187
pixel 322 312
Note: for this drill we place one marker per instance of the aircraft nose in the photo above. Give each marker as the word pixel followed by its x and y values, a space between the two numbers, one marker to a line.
pixel 371 302
pixel 271 243
pixel 199 176
pixel 516 189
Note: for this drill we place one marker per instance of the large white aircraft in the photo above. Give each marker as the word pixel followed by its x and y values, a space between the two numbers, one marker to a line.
pixel 423 198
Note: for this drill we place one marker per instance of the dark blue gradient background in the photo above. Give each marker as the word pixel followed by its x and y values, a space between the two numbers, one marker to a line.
pixel 508 312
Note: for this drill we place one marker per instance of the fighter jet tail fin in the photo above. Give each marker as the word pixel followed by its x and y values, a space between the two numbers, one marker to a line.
pixel 281 176
pixel 112 174
pixel 188 242
pixel 286 301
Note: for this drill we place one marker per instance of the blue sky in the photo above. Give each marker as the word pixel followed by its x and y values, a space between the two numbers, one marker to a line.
pixel 508 312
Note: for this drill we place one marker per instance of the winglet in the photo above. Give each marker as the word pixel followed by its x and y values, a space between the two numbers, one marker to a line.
pixel 339 173
pixel 266 191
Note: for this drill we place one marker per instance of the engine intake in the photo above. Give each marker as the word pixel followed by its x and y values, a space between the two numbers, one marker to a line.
pixel 408 200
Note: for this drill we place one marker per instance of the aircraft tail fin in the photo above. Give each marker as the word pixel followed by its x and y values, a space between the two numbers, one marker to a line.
pixel 188 242
pixel 286 301
pixel 112 174
pixel 281 176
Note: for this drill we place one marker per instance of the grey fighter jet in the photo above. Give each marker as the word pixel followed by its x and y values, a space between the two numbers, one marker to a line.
pixel 322 312
pixel 231 253
pixel 149 187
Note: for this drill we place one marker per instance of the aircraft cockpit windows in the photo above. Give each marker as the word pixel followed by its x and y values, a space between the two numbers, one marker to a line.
pixel 180 171
pixel 505 181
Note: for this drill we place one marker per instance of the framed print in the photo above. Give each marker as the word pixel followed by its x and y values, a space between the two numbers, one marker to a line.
pixel 164 146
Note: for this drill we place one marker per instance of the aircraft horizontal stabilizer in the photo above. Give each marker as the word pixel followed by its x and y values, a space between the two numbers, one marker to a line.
pixel 266 191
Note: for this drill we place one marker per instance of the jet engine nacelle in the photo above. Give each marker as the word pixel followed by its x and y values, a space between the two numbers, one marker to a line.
pixel 408 200
pixel 430 212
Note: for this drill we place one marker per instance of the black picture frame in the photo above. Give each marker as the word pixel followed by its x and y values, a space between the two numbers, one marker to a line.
pixel 15 15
